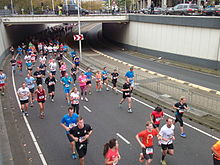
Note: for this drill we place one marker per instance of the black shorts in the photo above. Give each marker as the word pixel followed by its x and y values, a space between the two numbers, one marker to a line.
pixel 76 65
pixel 126 95
pixel 69 138
pixel 81 149
pixel 24 101
pixel 114 82
pixel 156 125
pixel 43 72
pixel 43 101
pixel 31 90
pixel 148 155
pixel 53 72
pixel 104 79
pixel 51 89
pixel 167 146
pixel 88 82
pixel 30 69
pixel 179 119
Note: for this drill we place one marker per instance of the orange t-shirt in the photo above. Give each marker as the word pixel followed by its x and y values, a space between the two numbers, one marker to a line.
pixel 147 137
pixel 216 146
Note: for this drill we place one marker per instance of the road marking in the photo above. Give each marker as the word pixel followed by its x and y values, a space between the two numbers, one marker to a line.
pixel 87 108
pixel 43 160
pixel 197 129
pixel 125 140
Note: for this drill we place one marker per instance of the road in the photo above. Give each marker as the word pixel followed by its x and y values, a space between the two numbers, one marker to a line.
pixel 107 120
pixel 203 79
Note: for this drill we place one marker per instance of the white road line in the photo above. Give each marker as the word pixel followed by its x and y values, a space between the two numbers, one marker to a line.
pixel 197 129
pixel 43 160
pixel 87 108
pixel 125 140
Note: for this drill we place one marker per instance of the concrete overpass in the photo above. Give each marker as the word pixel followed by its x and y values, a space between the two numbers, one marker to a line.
pixel 15 20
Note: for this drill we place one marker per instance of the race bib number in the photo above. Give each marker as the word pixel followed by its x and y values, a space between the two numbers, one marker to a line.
pixel 149 151
pixel 126 94
pixel 158 119
pixel 66 85
pixel 114 77
pixel 181 111
pixel 50 83
pixel 41 97
pixel 71 125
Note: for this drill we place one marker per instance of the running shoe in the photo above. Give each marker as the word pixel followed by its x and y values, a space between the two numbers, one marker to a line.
pixel 86 99
pixel 90 92
pixel 3 93
pixel 26 114
pixel 22 111
pixel 163 162
pixel 82 98
pixel 129 110
pixel 183 135
pixel 107 89
pixel 74 156
pixel 31 105
pixel 52 100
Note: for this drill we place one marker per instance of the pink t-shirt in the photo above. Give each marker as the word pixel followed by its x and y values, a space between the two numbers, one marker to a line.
pixel 82 80
pixel 63 68
pixel 112 155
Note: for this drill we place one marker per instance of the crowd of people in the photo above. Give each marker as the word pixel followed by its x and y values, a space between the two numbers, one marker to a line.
pixel 45 66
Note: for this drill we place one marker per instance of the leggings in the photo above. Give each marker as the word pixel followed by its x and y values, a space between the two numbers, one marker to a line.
pixel 83 90
pixel 76 108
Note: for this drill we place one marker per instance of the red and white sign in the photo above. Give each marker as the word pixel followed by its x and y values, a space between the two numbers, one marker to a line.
pixel 78 37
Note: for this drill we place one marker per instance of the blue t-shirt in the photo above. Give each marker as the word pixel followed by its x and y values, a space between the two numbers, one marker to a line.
pixel 88 75
pixel 30 82
pixel 19 50
pixel 65 48
pixel 29 64
pixel 104 74
pixel 66 82
pixel 76 60
pixel 73 54
pixel 70 121
pixel 130 74
pixel 2 77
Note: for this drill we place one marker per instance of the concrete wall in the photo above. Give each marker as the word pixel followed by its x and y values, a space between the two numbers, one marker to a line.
pixel 194 45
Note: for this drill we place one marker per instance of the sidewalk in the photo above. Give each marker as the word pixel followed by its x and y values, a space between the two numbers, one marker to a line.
pixel 147 86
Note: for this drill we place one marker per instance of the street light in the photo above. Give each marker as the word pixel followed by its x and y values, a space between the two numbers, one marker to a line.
pixel 12 7
pixel 79 29
pixel 32 8
pixel 67 10
pixel 53 6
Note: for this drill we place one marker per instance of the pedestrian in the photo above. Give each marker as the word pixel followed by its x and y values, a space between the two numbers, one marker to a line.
pixel 88 74
pixel 82 84
pixel 24 94
pixel 30 82
pixel 51 81
pixel 19 65
pixel 12 50
pixel 127 94
pixel 156 116
pixel 73 73
pixel 77 61
pixel 2 82
pixel 166 137
pixel 180 108
pixel 105 78
pixel 38 76
pixel 13 63
pixel 98 81
pixel 40 97
pixel 53 67
pixel 68 122
pixel 74 99
pixel 145 139
pixel 111 152
pixel 216 153
pixel 29 66
pixel 80 135
pixel 114 77
pixel 130 77
pixel 63 69
pixel 66 81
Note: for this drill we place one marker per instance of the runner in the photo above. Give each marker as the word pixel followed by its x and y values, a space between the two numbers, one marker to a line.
pixel 73 73
pixel 2 82
pixel 19 51
pixel 68 122
pixel 145 139
pixel 180 107
pixel 43 67
pixel 126 94
pixel 216 153
pixel 38 76
pixel 73 55
pixel 40 97
pixel 166 137
pixel 105 78
pixel 98 77
pixel 156 116
pixel 82 84
pixel 13 63
pixel 29 66
pixel 114 77
pixel 51 81
pixel 74 98
pixel 111 153
pixel 12 50
pixel 130 76
pixel 53 67
pixel 30 84
pixel 76 61
pixel 89 80
pixel 80 135
pixel 19 65
pixel 63 69
pixel 66 81
pixel 24 94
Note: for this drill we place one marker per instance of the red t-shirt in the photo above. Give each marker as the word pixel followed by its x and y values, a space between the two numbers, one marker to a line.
pixel 40 95
pixel 111 155
pixel 157 116
pixel 19 63
pixel 147 137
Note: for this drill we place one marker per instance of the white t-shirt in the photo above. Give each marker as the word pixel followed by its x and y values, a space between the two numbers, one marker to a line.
pixel 27 58
pixel 23 91
pixel 42 59
pixel 74 95
pixel 167 133
pixel 55 48
pixel 53 66
pixel 50 49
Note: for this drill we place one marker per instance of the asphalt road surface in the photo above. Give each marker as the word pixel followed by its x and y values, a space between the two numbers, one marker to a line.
pixel 107 120
pixel 203 79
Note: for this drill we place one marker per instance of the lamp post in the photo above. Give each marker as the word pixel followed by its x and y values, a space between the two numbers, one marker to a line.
pixel 53 6
pixel 67 10
pixel 79 29
pixel 12 7
pixel 32 8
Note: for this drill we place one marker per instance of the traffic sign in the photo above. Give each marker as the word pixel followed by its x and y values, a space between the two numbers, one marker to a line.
pixel 78 37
